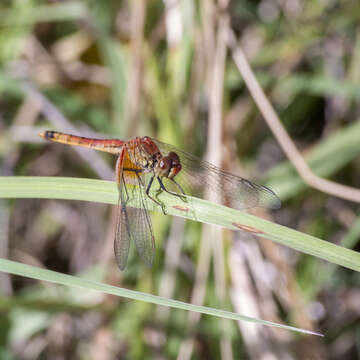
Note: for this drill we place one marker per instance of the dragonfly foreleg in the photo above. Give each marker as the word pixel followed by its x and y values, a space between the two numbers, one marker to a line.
pixel 136 171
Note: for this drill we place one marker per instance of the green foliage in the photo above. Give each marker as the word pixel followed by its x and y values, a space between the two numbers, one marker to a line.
pixel 108 71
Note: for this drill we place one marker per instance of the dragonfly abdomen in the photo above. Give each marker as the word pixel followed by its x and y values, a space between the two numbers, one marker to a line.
pixel 107 145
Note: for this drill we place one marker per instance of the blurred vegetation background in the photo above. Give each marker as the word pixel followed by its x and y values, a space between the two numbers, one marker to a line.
pixel 130 68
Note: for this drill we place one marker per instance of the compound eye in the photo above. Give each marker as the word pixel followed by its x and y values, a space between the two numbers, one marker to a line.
pixel 174 156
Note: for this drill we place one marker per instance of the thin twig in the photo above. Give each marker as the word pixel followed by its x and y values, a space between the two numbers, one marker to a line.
pixel 272 119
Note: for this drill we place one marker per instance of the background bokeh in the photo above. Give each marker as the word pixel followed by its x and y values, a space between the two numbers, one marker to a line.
pixel 129 68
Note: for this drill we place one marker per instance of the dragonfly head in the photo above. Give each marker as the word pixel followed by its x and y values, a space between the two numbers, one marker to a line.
pixel 169 165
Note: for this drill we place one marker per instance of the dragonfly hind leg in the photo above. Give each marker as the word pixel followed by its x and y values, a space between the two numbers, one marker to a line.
pixel 163 188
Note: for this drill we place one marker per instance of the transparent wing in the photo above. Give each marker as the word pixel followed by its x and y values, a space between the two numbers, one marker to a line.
pixel 122 229
pixel 133 222
pixel 237 192
pixel 140 225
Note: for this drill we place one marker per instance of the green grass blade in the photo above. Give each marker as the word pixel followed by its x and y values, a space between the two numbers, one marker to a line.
pixel 195 209
pixel 320 85
pixel 33 272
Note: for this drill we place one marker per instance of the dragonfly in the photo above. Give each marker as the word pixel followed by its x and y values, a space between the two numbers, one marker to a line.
pixel 144 162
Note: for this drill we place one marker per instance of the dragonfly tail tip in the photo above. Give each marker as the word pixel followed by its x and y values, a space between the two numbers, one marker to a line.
pixel 46 134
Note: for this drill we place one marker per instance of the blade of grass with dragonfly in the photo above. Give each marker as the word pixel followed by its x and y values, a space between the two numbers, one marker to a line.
pixel 195 209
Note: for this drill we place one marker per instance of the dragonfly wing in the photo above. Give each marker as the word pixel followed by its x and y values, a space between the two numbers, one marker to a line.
pixel 122 232
pixel 141 229
pixel 135 221
pixel 238 192
pixel 140 221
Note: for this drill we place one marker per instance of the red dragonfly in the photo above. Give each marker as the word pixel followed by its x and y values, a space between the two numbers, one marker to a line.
pixel 144 161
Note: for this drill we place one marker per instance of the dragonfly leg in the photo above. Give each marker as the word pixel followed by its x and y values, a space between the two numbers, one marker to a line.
pixel 181 190
pixel 163 188
pixel 137 172
pixel 157 201
pixel 125 191
pixel 158 192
